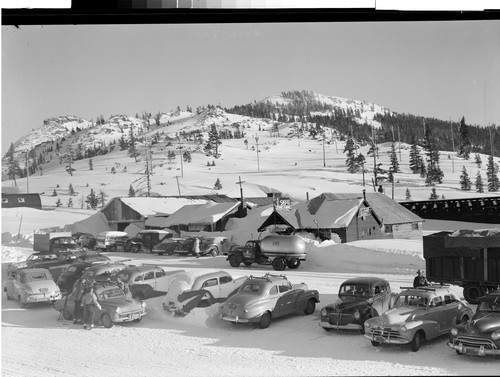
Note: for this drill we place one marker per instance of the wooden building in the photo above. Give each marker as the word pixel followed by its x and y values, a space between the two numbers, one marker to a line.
pixel 21 200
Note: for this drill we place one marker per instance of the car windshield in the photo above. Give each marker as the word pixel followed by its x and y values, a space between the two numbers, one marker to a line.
pixel 358 290
pixel 107 293
pixel 37 276
pixel 71 269
pixel 124 276
pixel 251 288
pixel 411 300
pixel 489 306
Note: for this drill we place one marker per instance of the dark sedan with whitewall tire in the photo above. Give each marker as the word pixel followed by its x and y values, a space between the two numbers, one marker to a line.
pixel 481 335
pixel 116 307
pixel 359 299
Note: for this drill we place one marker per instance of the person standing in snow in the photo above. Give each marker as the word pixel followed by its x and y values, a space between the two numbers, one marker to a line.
pixel 78 293
pixel 420 280
pixel 196 247
pixel 90 303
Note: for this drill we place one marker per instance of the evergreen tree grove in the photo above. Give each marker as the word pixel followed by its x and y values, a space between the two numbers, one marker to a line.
pixel 464 144
pixel 491 176
pixel 351 163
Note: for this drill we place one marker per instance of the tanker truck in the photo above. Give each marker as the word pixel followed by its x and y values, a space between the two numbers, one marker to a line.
pixel 279 251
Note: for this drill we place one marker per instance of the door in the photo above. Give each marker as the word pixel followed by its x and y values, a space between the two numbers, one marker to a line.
pixel 162 281
pixel 437 313
pixel 287 303
pixel 212 285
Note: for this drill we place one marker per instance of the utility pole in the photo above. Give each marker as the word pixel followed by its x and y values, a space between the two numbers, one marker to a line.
pixel 180 149
pixel 324 160
pixel 453 147
pixel 399 139
pixel 27 173
pixel 257 142
pixel 374 157
pixel 178 188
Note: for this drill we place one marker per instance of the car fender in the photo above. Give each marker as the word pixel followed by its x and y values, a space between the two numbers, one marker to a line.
pixel 305 296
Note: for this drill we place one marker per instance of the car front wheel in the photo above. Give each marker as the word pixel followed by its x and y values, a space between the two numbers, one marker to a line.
pixel 417 341
pixel 375 343
pixel 234 260
pixel 135 249
pixel 310 307
pixel 106 321
pixel 265 320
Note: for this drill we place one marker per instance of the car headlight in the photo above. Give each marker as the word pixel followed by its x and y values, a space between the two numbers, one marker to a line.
pixel 118 310
pixel 403 328
pixel 495 335
pixel 143 304
pixel 323 312
pixel 367 324
pixel 357 315
pixel 454 331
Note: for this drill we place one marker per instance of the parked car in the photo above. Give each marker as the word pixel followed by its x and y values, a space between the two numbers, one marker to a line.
pixel 418 314
pixel 101 271
pixel 167 246
pixel 115 306
pixel 359 299
pixel 146 240
pixel 86 240
pixel 92 269
pixel 93 258
pixel 111 241
pixel 261 299
pixel 189 291
pixel 481 335
pixel 148 280
pixel 73 272
pixel 208 245
pixel 30 286
pixel 43 260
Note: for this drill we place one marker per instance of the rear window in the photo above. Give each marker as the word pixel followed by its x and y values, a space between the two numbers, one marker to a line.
pixel 35 277
pixel 251 288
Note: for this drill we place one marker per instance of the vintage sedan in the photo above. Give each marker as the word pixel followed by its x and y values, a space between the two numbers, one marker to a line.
pixel 481 335
pixel 30 286
pixel 212 246
pixel 359 299
pixel 196 290
pixel 167 246
pixel 261 299
pixel 116 307
pixel 148 280
pixel 418 314
pixel 49 261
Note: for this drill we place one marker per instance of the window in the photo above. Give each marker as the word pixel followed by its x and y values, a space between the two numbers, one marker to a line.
pixel 5 201
pixel 448 299
pixel 284 288
pixel 149 275
pixel 225 279
pixel 160 273
pixel 209 283
pixel 273 290
pixel 20 200
pixel 437 301
pixel 138 278
pixel 414 226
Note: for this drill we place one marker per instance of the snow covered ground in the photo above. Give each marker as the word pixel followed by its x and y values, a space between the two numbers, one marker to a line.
pixel 35 342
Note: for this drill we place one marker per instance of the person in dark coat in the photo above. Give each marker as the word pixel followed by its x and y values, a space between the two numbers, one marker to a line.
pixel 77 294
pixel 90 304
pixel 420 280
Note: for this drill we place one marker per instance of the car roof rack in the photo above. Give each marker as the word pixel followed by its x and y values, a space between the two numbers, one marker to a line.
pixel 268 276
pixel 432 287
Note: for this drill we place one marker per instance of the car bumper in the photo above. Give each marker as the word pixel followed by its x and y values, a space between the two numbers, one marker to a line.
pixel 347 326
pixel 128 317
pixel 236 319
pixel 387 338
pixel 33 299
pixel 479 350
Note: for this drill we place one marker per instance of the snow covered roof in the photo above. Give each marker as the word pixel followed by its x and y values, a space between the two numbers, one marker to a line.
pixel 207 213
pixel 386 209
pixel 331 214
pixel 150 206
pixel 93 224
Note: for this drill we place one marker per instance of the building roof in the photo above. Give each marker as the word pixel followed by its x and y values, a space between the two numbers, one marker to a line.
pixel 207 213
pixel 330 214
pixel 259 201
pixel 387 210
pixel 150 206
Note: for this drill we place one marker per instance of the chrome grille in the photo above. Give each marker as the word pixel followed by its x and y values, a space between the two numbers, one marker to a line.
pixel 340 319
pixel 471 342
pixel 386 333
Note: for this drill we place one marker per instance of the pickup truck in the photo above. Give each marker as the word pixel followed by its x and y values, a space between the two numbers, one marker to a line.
pixel 200 290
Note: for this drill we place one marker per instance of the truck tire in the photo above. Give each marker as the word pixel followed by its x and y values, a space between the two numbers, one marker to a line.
pixel 247 263
pixel 472 292
pixel 293 263
pixel 235 260
pixel 279 264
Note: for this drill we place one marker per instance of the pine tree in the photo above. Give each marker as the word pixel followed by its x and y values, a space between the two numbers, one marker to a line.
pixel 407 194
pixel 217 185
pixel 92 200
pixel 58 203
pixel 214 141
pixel 113 170
pixel 479 182
pixel 131 191
pixel 434 195
pixel 70 203
pixel 102 198
pixel 186 156
pixel 465 183
pixel 478 161
pixel 71 191
pixel 91 164
pixel 123 143
pixel 394 159
pixel 13 165
pixel 132 145
pixel 491 176
pixel 350 162
pixel 464 144
pixel 434 173
pixel 54 193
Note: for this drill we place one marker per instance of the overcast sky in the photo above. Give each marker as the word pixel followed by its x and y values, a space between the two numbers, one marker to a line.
pixel 437 69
